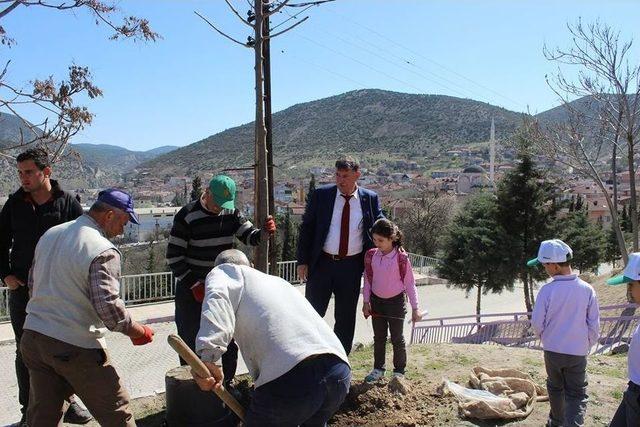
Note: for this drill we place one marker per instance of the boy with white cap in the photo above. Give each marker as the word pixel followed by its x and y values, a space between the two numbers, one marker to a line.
pixel 628 413
pixel 566 318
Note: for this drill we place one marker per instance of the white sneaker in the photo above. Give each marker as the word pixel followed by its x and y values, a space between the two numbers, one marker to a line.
pixel 398 375
pixel 374 375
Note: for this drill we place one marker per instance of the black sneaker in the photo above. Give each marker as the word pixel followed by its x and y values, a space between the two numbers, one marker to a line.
pixel 76 415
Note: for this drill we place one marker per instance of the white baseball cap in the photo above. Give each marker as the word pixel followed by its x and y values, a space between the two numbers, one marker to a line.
pixel 552 251
pixel 631 271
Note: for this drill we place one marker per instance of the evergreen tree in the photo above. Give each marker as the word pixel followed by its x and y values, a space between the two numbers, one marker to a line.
pixel 185 193
pixel 196 188
pixel 475 255
pixel 611 249
pixel 625 224
pixel 585 238
pixel 572 205
pixel 579 204
pixel 312 188
pixel 526 212
pixel 289 239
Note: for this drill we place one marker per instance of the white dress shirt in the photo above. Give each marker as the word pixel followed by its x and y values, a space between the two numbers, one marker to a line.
pixel 332 242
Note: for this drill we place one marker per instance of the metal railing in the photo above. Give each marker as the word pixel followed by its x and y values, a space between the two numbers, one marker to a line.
pixel 156 287
pixel 423 264
pixel 147 288
pixel 617 324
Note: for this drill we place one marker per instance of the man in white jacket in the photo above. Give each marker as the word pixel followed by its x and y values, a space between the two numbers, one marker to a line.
pixel 301 371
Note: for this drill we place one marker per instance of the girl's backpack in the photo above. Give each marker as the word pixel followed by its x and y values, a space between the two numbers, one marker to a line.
pixel 403 261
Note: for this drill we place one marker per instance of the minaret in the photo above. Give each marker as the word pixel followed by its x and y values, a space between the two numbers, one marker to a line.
pixel 492 154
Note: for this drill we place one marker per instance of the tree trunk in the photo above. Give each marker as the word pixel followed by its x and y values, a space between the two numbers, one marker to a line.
pixel 478 304
pixel 527 296
pixel 633 202
pixel 261 185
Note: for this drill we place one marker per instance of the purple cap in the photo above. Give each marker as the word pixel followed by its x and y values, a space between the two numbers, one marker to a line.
pixel 119 199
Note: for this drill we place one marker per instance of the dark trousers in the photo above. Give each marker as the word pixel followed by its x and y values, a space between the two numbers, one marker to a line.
pixel 188 312
pixel 628 413
pixel 342 279
pixel 308 395
pixel 18 300
pixel 567 388
pixel 388 315
pixel 58 369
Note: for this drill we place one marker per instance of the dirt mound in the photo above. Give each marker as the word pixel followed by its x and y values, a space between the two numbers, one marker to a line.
pixel 385 404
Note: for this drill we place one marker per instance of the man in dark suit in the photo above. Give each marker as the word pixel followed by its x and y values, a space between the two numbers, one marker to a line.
pixel 334 235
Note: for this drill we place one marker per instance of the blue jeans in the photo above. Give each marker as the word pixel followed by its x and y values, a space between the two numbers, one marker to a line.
pixel 309 394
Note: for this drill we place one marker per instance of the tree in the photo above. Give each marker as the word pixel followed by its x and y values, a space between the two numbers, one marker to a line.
pixel 424 223
pixel 475 254
pixel 312 188
pixel 579 204
pixel 196 188
pixel 288 238
pixel 611 251
pixel 609 81
pixel 526 211
pixel 60 119
pixel 585 238
pixel 625 224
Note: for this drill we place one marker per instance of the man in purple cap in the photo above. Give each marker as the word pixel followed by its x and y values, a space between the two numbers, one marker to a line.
pixel 39 204
pixel 74 299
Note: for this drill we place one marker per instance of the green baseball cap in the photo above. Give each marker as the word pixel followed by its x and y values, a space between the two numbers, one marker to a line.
pixel 223 191
pixel 631 272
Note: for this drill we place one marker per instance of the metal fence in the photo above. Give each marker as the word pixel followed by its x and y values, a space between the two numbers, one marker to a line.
pixel 617 323
pixel 155 287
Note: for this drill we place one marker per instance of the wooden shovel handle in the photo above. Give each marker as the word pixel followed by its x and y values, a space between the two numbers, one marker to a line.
pixel 202 371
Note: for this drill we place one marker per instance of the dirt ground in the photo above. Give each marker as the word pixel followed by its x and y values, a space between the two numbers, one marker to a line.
pixel 428 365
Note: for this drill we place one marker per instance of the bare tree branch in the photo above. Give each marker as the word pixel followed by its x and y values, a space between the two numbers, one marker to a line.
pixel 220 32
pixel 287 29
pixel 233 9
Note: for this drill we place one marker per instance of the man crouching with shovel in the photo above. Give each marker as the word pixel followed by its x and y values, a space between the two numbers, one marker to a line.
pixel 300 369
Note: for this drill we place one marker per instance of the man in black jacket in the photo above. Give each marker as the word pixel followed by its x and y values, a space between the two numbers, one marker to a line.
pixel 37 206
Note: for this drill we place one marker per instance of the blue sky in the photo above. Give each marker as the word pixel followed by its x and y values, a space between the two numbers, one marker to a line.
pixel 193 83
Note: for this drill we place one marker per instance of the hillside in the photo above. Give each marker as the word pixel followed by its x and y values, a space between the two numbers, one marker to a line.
pixel 86 165
pixel 117 160
pixel 375 124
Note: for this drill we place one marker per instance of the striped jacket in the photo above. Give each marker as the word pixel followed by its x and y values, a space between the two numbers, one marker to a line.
pixel 198 236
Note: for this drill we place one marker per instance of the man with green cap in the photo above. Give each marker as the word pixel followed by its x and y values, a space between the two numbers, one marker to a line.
pixel 201 230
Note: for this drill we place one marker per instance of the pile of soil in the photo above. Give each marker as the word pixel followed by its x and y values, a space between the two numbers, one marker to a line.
pixel 393 403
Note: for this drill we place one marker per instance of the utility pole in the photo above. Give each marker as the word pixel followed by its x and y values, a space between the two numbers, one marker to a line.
pixel 258 20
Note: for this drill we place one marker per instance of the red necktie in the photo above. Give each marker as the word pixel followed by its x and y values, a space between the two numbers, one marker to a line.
pixel 344 227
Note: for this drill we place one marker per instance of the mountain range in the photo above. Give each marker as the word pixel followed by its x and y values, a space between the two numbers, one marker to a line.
pixel 375 125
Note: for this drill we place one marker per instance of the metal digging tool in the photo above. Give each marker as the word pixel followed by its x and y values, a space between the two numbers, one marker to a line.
pixel 199 368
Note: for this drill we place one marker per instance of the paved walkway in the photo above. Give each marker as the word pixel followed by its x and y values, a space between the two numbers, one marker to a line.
pixel 143 368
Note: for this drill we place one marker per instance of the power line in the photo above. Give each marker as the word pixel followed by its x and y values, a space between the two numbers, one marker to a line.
pixel 361 63
pixel 425 58
pixel 292 55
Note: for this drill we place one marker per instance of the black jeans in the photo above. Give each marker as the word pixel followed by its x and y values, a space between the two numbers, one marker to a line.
pixel 342 279
pixel 18 300
pixel 307 395
pixel 388 314
pixel 188 312
pixel 628 413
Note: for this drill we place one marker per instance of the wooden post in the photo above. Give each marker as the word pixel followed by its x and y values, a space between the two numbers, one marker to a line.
pixel 261 187
pixel 266 56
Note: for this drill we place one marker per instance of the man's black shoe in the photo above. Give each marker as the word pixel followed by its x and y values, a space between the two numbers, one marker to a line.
pixel 76 415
